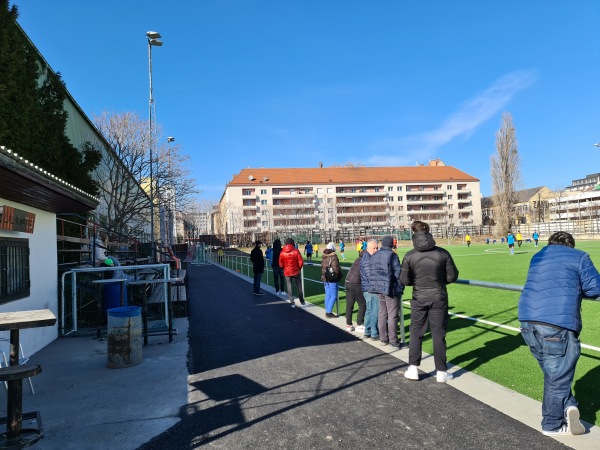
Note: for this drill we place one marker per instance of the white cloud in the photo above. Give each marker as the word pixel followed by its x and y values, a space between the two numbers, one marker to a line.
pixel 461 123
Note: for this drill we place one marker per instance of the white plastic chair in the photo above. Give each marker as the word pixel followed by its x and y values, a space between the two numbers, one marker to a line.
pixel 22 360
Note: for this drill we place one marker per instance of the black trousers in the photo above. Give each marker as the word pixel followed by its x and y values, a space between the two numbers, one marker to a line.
pixel 354 294
pixel 422 313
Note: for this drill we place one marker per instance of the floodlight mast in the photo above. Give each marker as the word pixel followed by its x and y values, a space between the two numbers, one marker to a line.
pixel 153 40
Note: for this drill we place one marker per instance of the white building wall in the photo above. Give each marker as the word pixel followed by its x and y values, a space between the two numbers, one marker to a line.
pixel 43 275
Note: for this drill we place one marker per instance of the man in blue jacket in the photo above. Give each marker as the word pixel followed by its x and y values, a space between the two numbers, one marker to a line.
pixel 385 281
pixel 371 299
pixel 550 314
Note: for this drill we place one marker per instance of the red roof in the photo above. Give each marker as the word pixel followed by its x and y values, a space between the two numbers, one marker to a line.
pixel 349 175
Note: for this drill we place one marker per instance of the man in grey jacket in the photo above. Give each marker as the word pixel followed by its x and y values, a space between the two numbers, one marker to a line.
pixel 428 269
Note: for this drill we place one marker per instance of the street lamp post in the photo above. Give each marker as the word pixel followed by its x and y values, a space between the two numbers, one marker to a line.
pixel 153 38
pixel 171 195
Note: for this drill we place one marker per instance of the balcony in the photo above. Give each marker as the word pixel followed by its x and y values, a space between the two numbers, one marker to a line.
pixel 379 223
pixel 427 211
pixel 302 206
pixel 361 214
pixel 360 204
pixel 295 195
pixel 426 201
pixel 247 207
pixel 361 194
pixel 293 216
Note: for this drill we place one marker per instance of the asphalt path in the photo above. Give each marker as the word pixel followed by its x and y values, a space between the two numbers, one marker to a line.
pixel 264 375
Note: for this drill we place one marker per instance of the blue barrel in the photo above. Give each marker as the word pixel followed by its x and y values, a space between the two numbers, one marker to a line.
pixel 124 337
pixel 111 294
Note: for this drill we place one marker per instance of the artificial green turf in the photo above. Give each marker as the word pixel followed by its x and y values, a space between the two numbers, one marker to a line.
pixel 490 351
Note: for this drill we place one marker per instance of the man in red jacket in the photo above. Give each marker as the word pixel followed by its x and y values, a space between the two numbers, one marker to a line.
pixel 291 260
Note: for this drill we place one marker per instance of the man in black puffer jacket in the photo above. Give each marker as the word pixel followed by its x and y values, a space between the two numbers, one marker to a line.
pixel 428 269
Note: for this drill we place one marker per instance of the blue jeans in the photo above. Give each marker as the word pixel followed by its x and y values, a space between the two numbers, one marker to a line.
pixel 331 295
pixel 371 314
pixel 257 280
pixel 557 351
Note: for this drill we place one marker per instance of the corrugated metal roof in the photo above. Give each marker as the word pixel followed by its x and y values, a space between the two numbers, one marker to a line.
pixel 348 175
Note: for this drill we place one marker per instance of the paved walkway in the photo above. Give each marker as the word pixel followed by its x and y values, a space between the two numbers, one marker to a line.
pixel 260 374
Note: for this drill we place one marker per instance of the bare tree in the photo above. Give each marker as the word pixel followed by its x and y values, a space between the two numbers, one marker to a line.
pixel 558 195
pixel 506 173
pixel 127 202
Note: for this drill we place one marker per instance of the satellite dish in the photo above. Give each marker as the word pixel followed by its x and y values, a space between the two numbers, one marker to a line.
pixel 265 179
pixel 251 177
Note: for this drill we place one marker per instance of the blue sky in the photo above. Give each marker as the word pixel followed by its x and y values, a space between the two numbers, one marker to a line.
pixel 277 83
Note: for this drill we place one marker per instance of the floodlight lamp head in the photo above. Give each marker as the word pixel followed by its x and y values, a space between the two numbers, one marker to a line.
pixel 153 35
pixel 155 42
pixel 596 145
pixel 170 139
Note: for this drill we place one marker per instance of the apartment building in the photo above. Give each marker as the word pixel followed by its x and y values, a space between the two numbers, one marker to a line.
pixel 358 199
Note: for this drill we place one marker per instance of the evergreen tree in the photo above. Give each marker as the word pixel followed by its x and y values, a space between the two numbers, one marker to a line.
pixel 32 116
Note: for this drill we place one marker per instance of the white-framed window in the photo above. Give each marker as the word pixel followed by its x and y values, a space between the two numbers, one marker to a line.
pixel 330 190
pixel 399 189
pixel 263 192
pixel 263 202
pixel 449 187
pixel 247 192
pixel 390 188
pixel 319 190
pixel 265 223
pixel 275 191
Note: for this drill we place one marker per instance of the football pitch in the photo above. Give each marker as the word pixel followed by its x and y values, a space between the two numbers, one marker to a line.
pixel 483 335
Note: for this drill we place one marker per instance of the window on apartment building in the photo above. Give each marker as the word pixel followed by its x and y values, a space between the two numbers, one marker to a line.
pixel 263 202
pixel 275 191
pixel 399 189
pixel 247 192
pixel 319 190
pixel 14 269
pixel 450 216
pixel 377 189
pixel 329 200
pixel 392 208
pixel 264 213
pixel 450 206
pixel 400 198
pixel 390 188
pixel 450 197
pixel 449 187
pixel 263 192
pixel 248 203
pixel 330 190
pixel 391 199
pixel 400 208
pixel 264 223
pixel 292 191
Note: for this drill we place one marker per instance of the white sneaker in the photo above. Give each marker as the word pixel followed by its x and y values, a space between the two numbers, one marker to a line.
pixel 443 377
pixel 276 292
pixel 573 424
pixel 293 305
pixel 305 305
pixel 562 430
pixel 412 373
pixel 360 328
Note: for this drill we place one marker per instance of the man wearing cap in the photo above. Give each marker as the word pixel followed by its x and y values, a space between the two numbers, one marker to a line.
pixel 258 266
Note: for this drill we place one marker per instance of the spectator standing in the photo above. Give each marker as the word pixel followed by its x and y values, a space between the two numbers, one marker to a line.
pixel 308 250
pixel 550 314
pixel 330 264
pixel 269 255
pixel 536 237
pixel 278 277
pixel 428 269
pixel 519 238
pixel 258 266
pixel 291 261
pixel 354 294
pixel 510 240
pixel 371 298
pixel 385 281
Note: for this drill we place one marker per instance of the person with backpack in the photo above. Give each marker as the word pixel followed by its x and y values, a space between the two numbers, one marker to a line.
pixel 331 274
